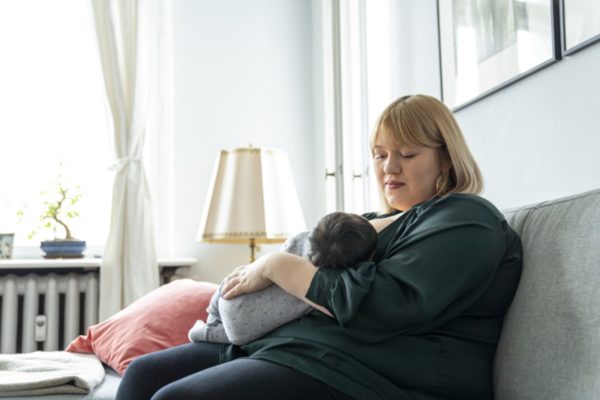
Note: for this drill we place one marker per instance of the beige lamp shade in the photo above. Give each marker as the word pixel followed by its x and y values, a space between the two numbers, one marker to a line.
pixel 252 199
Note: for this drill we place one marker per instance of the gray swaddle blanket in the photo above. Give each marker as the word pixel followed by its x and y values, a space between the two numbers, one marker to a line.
pixel 251 316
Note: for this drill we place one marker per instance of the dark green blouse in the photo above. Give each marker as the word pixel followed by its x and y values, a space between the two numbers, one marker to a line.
pixel 419 321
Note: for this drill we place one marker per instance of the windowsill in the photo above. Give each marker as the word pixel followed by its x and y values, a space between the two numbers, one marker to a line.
pixel 169 268
pixel 88 263
pixel 35 252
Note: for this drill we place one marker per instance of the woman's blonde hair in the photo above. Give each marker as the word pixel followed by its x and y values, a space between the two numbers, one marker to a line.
pixel 421 120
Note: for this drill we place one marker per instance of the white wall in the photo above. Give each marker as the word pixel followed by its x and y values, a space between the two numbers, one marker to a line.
pixel 540 138
pixel 535 140
pixel 243 74
pixel 415 47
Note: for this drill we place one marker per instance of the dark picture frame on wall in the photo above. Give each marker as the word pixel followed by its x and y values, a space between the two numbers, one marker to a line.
pixel 485 46
pixel 580 24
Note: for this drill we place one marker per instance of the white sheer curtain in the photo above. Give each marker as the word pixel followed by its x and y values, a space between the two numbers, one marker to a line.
pixel 128 32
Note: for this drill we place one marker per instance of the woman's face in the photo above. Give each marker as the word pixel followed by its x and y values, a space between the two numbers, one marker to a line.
pixel 406 174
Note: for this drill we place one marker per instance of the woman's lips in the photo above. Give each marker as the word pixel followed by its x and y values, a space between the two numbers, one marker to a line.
pixel 393 185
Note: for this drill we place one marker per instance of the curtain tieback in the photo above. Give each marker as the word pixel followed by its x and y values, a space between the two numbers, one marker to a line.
pixel 122 162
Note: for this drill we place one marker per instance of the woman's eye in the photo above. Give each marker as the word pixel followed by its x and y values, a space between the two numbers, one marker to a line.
pixel 379 156
pixel 407 155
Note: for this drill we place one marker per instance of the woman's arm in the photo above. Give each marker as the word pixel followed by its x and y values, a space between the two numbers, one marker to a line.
pixel 292 273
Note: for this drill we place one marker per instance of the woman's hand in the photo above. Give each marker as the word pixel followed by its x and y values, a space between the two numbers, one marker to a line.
pixel 290 272
pixel 246 279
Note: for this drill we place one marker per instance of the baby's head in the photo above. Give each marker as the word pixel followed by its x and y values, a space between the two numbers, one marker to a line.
pixel 341 239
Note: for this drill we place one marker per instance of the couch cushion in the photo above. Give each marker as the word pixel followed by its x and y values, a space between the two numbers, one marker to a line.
pixel 550 343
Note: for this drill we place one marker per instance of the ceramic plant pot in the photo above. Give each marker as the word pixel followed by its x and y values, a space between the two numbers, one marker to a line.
pixel 57 248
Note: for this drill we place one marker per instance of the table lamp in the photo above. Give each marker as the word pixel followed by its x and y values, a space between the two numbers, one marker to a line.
pixel 252 199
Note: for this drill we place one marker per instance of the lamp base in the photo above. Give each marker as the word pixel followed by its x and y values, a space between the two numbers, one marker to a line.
pixel 253 249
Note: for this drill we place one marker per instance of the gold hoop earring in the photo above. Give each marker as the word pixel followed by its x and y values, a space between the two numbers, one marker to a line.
pixel 441 183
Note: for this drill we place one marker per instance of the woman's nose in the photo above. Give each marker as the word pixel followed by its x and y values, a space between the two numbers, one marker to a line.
pixel 392 165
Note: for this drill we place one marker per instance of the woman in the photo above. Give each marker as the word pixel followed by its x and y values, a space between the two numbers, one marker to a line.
pixel 419 321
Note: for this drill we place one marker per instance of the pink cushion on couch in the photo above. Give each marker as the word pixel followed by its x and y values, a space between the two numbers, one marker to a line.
pixel 158 320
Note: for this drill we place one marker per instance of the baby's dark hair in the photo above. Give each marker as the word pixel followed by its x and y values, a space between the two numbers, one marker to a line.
pixel 341 239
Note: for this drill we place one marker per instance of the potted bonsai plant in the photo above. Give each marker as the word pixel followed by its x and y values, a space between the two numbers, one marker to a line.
pixel 59 206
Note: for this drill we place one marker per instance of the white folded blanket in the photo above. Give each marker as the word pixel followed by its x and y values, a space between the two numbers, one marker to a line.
pixel 49 372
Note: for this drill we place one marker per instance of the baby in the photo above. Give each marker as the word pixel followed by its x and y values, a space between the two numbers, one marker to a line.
pixel 339 240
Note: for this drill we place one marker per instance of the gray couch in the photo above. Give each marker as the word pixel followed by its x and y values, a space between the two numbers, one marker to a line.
pixel 550 343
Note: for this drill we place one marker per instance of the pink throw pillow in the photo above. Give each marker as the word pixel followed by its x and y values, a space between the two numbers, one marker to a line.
pixel 158 320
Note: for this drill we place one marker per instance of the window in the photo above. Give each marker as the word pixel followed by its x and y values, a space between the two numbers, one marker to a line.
pixel 53 109
pixel 346 127
pixel 357 80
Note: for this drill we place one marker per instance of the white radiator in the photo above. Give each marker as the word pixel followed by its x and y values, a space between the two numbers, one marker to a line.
pixel 46 311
